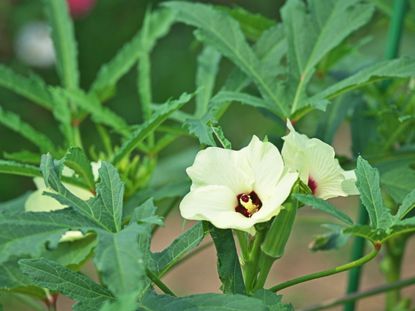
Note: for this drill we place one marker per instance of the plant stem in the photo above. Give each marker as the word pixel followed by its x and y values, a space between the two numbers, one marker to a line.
pixel 356 296
pixel 251 271
pixel 395 28
pixel 358 250
pixel 265 262
pixel 391 267
pixel 160 284
pixel 328 272
pixel 243 243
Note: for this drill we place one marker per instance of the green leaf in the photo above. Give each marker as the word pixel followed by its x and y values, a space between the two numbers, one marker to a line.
pixel 223 33
pixel 327 25
pixel 149 126
pixel 105 209
pixel 202 129
pixel 64 41
pixel 160 22
pixel 62 113
pixel 380 235
pixel 15 205
pixel 12 279
pixel 13 122
pixel 407 205
pixel 220 136
pixel 26 233
pixel 50 275
pixel 186 242
pixel 100 114
pixel 253 25
pixel 120 260
pixel 208 64
pixel 397 68
pixel 271 48
pixel 370 194
pixel 123 303
pixel 334 116
pixel 398 182
pixel 272 301
pixel 76 159
pixel 323 206
pixel 367 232
pixel 149 34
pixel 110 190
pixel 205 302
pixel 334 239
pixel 15 168
pixel 72 253
pixel 177 189
pixel 23 156
pixel 146 214
pixel 256 102
pixel 32 87
pixel 229 268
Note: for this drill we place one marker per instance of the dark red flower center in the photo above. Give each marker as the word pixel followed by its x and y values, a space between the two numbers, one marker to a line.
pixel 312 184
pixel 248 204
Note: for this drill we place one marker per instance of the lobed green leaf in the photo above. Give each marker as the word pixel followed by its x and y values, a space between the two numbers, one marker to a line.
pixel 229 268
pixel 26 233
pixel 120 260
pixel 48 274
pixel 160 22
pixel 32 87
pixel 205 302
pixel 76 159
pixel 64 41
pixel 397 68
pixel 370 194
pixel 169 257
pixel 323 206
pixel 223 33
pixel 207 69
pixel 149 126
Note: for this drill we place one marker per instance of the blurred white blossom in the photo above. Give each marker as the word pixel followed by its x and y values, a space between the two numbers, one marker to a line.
pixel 34 46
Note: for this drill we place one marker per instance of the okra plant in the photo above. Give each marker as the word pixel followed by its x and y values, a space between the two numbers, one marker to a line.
pixel 97 202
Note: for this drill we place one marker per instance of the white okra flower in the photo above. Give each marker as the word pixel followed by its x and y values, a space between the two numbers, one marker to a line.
pixel 237 189
pixel 315 162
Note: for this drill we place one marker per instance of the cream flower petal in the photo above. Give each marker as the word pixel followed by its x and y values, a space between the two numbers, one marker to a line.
pixel 271 204
pixel 70 236
pixel 349 183
pixel 217 166
pixel 315 161
pixel 37 202
pixel 265 163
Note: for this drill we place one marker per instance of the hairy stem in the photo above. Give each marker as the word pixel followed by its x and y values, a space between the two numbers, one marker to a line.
pixel 364 294
pixel 338 269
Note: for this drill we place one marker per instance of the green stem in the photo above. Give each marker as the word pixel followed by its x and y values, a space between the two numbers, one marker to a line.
pixel 251 264
pixel 160 284
pixel 243 243
pixel 265 262
pixel 395 29
pixel 391 267
pixel 358 250
pixel 356 296
pixel 328 272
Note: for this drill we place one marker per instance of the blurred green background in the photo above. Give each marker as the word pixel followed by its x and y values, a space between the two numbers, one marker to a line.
pixel 110 24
